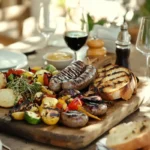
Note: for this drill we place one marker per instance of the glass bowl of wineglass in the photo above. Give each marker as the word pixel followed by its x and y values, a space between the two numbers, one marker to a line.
pixel 143 42
pixel 76 28
pixel 46 24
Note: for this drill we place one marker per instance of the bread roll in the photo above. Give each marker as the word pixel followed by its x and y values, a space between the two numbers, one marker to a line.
pixel 92 52
pixel 130 136
pixel 95 43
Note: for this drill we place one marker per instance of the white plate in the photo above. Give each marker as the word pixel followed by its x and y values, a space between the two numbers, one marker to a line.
pixel 10 59
pixel 28 45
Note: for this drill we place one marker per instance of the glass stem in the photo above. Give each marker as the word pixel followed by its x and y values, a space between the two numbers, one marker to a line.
pixel 147 67
pixel 47 39
pixel 75 55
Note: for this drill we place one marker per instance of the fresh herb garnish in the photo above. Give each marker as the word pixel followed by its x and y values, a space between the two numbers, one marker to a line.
pixel 20 86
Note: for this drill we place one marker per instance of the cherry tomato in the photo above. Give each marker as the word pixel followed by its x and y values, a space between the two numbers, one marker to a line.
pixel 18 72
pixel 75 104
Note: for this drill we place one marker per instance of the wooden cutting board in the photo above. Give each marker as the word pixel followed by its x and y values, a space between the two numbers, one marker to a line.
pixel 65 137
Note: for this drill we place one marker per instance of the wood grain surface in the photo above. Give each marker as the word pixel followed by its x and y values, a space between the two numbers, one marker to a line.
pixel 65 137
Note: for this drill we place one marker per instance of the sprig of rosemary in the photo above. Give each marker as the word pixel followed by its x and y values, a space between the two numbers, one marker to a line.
pixel 20 86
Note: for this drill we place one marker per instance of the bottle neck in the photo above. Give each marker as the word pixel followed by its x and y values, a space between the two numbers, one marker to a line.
pixel 123 46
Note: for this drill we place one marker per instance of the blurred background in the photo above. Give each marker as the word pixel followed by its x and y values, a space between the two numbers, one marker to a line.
pixel 18 17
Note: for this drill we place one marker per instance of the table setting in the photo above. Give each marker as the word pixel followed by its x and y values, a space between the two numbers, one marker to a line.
pixel 97 50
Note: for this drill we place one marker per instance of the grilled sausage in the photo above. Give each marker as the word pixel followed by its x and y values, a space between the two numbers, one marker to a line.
pixel 74 119
pixel 94 105
pixel 95 108
pixel 82 81
pixel 72 71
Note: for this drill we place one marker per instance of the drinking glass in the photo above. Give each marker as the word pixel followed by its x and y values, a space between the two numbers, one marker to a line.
pixel 76 28
pixel 46 24
pixel 143 42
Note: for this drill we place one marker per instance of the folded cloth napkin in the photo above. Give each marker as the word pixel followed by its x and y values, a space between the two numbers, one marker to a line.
pixel 106 33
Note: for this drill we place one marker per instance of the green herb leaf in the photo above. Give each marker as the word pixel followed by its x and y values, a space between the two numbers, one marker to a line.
pixel 90 22
pixel 20 86
pixel 101 22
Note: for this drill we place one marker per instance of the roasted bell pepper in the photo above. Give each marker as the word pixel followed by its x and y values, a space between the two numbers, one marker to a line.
pixel 17 72
pixel 75 104
pixel 48 92
pixel 46 78
pixel 61 105
pixel 35 69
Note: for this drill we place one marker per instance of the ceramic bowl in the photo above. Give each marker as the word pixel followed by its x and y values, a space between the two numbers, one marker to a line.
pixel 60 63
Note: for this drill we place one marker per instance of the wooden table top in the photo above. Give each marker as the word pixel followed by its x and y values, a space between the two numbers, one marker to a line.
pixel 137 65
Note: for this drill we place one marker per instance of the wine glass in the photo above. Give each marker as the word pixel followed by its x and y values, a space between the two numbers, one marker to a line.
pixel 143 42
pixel 46 24
pixel 76 28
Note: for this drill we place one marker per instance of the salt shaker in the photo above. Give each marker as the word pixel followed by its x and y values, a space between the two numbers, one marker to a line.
pixel 123 46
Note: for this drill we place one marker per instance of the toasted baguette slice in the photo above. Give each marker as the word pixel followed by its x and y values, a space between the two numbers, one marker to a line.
pixel 129 136
pixel 114 82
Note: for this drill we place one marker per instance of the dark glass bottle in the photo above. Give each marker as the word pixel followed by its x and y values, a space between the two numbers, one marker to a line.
pixel 123 47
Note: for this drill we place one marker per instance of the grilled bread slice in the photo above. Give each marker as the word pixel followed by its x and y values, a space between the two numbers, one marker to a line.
pixel 130 136
pixel 115 82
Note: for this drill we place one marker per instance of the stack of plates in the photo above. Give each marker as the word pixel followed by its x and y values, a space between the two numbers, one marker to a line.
pixel 10 59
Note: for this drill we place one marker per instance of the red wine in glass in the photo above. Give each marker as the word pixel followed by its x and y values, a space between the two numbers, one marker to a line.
pixel 75 40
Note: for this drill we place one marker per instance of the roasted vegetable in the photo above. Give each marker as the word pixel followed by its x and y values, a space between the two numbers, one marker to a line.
pixel 38 98
pixel 72 92
pixel 17 72
pixel 50 68
pixel 20 86
pixel 75 104
pixel 50 116
pixel 32 117
pixel 7 98
pixel 48 102
pixel 3 81
pixel 47 91
pixel 35 69
pixel 39 76
pixel 18 115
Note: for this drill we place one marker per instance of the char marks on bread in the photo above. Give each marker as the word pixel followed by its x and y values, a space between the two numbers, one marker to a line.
pixel 114 82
